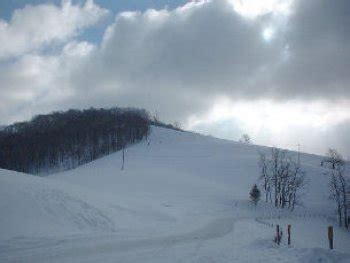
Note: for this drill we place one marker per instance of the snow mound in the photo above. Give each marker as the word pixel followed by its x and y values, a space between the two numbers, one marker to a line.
pixel 33 206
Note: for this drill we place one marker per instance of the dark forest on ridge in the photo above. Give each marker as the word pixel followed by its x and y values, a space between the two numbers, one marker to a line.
pixel 64 140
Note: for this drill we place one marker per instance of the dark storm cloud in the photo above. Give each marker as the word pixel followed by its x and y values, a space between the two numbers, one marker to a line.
pixel 318 39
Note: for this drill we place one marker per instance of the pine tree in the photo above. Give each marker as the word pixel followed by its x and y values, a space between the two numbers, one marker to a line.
pixel 255 194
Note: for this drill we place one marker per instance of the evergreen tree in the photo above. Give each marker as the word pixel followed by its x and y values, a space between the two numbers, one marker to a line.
pixel 255 194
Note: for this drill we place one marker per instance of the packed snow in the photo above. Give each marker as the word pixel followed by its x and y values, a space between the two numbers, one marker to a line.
pixel 182 197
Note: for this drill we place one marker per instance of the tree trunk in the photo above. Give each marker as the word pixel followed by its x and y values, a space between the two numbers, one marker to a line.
pixel 340 215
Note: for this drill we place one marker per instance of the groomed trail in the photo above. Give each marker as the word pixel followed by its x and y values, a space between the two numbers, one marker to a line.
pixel 182 197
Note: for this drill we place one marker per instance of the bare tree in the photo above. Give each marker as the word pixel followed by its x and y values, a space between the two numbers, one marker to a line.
pixel 335 167
pixel 296 181
pixel 177 125
pixel 156 117
pixel 245 139
pixel 332 160
pixel 277 168
pixel 281 177
pixel 265 176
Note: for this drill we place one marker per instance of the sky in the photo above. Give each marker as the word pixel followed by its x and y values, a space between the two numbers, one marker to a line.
pixel 277 70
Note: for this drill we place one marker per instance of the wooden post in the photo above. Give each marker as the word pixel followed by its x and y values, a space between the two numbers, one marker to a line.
pixel 289 227
pixel 278 238
pixel 330 237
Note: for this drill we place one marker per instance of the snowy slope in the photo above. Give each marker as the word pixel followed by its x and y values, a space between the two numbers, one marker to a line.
pixel 33 206
pixel 181 198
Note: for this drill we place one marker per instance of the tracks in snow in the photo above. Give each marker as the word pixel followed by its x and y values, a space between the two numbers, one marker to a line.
pixel 69 249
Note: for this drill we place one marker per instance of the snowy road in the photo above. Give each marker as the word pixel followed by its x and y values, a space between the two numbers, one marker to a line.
pixel 82 248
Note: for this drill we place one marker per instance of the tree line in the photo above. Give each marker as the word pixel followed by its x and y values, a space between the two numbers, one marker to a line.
pixel 64 140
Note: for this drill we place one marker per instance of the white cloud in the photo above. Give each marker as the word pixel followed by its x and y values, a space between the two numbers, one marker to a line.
pixel 282 124
pixel 255 8
pixel 34 26
pixel 36 83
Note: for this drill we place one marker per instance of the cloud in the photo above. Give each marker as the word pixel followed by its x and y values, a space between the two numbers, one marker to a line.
pixel 283 124
pixel 205 48
pixel 255 8
pixel 33 27
pixel 318 48
pixel 340 138
pixel 182 62
pixel 188 55
pixel 36 83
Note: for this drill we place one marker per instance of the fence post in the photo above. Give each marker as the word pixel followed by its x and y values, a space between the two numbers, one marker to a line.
pixel 289 228
pixel 278 237
pixel 330 237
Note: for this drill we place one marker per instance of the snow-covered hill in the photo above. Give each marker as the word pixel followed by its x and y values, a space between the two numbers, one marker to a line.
pixel 182 197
